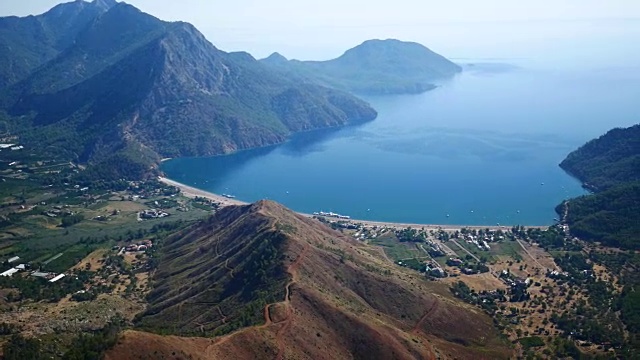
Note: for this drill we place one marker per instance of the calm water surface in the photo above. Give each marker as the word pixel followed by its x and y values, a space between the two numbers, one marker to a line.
pixel 482 149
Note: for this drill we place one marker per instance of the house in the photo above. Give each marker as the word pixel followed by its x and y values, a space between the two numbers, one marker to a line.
pixel 153 214
pixel 132 248
pixel 13 259
pixel 57 278
pixel 10 272
pixel 149 214
pixel 41 274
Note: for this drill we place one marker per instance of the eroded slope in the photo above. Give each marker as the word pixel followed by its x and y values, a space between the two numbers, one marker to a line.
pixel 305 291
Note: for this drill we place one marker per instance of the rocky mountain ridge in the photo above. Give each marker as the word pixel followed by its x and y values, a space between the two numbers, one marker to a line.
pixel 131 89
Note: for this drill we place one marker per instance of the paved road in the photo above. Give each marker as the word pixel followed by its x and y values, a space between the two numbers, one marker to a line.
pixel 53 258
pixel 465 250
pixel 425 251
pixel 448 250
pixel 531 256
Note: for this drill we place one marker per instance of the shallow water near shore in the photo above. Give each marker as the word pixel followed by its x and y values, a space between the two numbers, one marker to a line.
pixel 481 149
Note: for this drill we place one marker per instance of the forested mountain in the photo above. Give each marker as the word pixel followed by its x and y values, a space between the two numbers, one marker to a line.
pixel 281 285
pixel 374 67
pixel 611 216
pixel 27 43
pixel 119 89
pixel 609 165
pixel 612 159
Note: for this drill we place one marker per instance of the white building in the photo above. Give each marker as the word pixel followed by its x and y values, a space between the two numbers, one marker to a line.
pixel 57 278
pixel 10 272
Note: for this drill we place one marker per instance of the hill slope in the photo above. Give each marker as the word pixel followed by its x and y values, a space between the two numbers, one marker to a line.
pixel 292 288
pixel 27 43
pixel 130 89
pixel 374 67
pixel 612 159
pixel 611 217
pixel 610 165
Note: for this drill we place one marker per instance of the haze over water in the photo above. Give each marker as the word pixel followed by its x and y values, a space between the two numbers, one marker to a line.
pixel 483 148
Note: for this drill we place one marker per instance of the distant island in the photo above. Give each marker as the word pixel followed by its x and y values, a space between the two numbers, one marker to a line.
pixel 375 67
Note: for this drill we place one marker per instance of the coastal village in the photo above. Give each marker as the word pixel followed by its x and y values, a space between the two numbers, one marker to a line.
pixel 505 271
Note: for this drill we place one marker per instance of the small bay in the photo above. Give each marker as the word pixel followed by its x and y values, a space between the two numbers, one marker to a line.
pixel 481 149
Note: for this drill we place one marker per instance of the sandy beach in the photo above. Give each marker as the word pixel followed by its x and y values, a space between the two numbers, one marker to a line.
pixel 192 192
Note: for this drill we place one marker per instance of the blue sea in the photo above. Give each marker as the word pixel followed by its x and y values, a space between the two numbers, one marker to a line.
pixel 481 149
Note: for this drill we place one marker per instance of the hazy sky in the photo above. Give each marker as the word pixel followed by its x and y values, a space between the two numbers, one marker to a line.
pixel 456 28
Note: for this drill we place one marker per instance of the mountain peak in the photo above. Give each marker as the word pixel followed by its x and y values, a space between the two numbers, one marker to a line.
pixel 386 41
pixel 266 204
pixel 399 58
pixel 275 58
pixel 387 47
pixel 272 209
pixel 105 4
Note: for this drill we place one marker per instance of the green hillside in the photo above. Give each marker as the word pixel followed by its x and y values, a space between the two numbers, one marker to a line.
pixel 218 276
pixel 609 165
pixel 610 160
pixel 27 43
pixel 611 217
pixel 131 89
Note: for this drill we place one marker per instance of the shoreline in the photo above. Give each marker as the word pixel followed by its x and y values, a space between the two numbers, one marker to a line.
pixel 191 192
